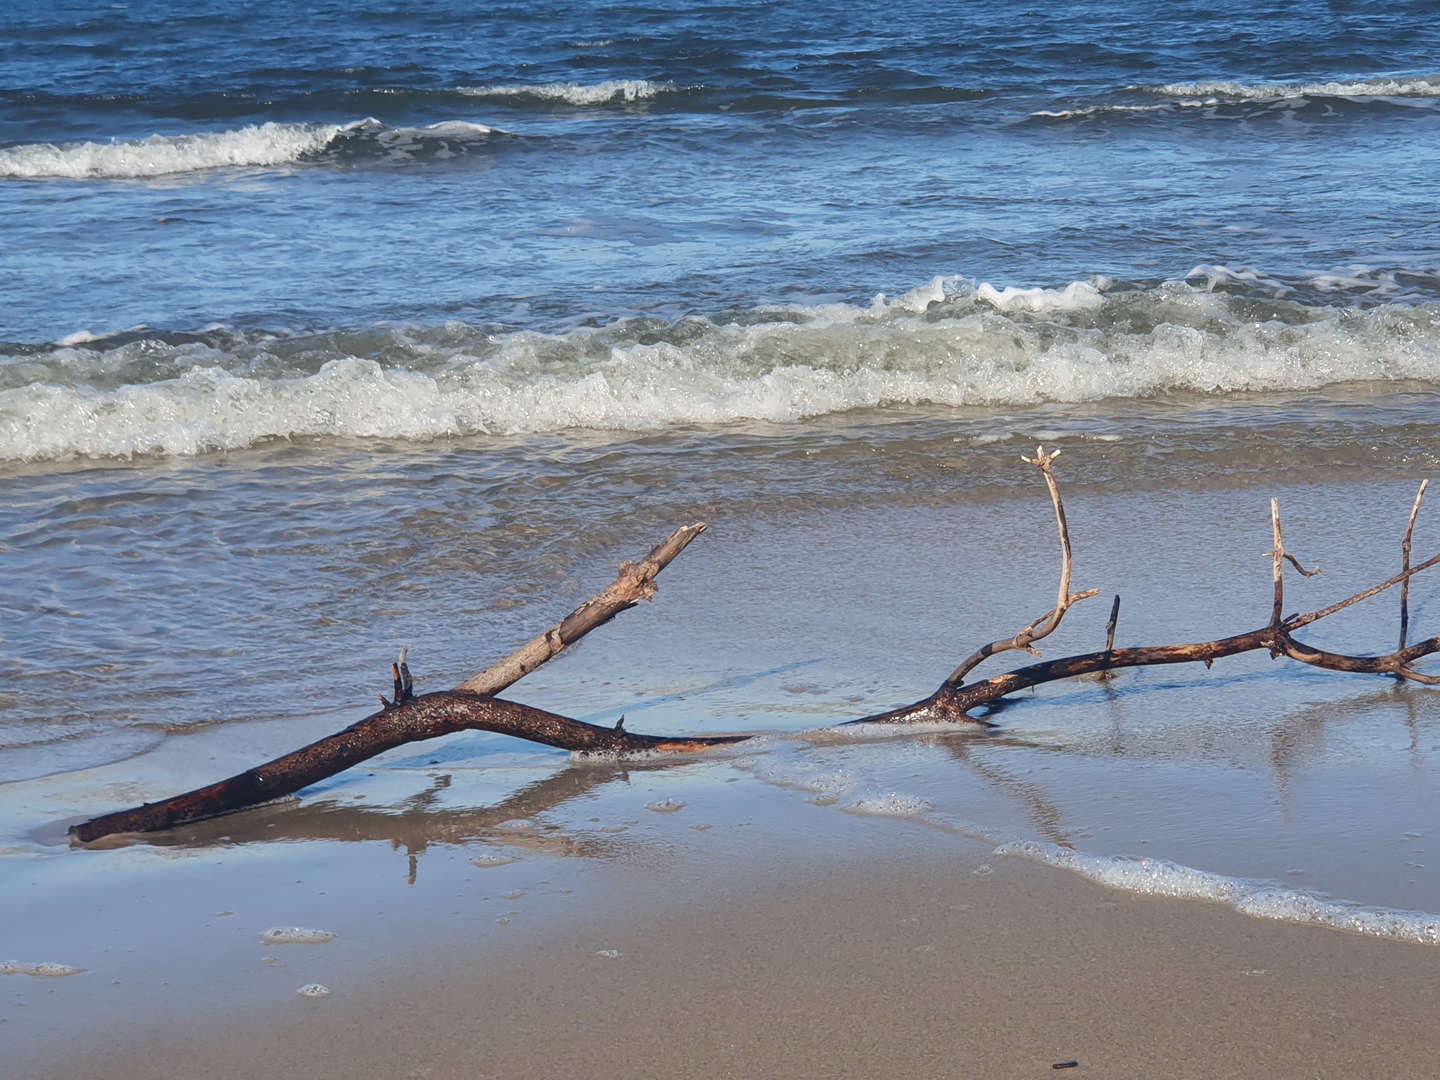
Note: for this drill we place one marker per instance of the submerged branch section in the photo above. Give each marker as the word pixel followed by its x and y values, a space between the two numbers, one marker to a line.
pixel 408 720
pixel 473 706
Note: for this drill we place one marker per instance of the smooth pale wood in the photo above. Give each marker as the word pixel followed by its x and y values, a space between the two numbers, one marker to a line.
pixel 636 582
pixel 1045 625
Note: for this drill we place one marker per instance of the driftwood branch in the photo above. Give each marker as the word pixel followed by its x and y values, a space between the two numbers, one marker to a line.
pixel 472 706
pixel 1405 563
pixel 1045 625
pixel 635 583
pixel 408 718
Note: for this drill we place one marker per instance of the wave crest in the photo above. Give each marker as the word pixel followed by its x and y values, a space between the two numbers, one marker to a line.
pixel 612 91
pixel 256 146
pixel 159 155
pixel 950 343
pixel 1420 86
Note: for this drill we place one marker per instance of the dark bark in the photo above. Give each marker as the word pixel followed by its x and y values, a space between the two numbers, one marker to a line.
pixel 471 706
pixel 412 719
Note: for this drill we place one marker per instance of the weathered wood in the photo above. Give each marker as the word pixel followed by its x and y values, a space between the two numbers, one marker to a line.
pixel 472 706
pixel 408 720
pixel 1405 563
pixel 1045 625
pixel 635 583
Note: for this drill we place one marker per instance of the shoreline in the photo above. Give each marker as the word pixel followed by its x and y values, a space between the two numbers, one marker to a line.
pixel 780 951
pixel 812 903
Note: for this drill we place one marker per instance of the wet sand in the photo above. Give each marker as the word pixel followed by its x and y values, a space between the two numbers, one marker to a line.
pixel 809 944
pixel 499 910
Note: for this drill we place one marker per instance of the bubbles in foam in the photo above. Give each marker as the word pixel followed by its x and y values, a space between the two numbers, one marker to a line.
pixel 569 93
pixel 314 990
pixel 44 970
pixel 484 862
pixel 296 935
pixel 158 155
pixel 1159 877
pixel 946 343
pixel 893 804
pixel 517 825
pixel 665 806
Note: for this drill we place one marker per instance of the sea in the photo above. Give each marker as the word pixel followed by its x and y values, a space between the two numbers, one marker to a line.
pixel 329 329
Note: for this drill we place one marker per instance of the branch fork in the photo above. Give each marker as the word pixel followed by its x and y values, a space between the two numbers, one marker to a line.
pixel 473 706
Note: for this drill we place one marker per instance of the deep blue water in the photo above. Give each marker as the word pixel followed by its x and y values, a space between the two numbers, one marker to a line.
pixel 689 158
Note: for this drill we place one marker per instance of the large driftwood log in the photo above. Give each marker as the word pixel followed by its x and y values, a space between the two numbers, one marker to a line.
pixel 473 706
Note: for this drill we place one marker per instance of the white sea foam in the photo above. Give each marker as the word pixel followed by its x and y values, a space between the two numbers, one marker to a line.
pixel 1426 86
pixel 314 990
pixel 1102 110
pixel 889 804
pixel 947 343
pixel 47 969
pixel 296 935
pixel 603 93
pixel 1158 877
pixel 159 155
pixel 485 862
pixel 1077 296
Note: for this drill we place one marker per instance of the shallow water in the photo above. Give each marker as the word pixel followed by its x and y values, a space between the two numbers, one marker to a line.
pixel 785 620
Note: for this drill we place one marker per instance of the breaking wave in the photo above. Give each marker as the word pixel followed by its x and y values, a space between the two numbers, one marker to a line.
pixel 254 146
pixel 612 91
pixel 1427 86
pixel 1234 99
pixel 951 342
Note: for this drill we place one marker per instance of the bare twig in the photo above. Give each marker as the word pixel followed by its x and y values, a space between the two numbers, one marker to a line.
pixel 1045 625
pixel 1405 563
pixel 1295 622
pixel 636 582
pixel 1280 557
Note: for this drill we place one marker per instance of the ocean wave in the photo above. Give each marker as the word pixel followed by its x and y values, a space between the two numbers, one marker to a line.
pixel 1083 111
pixel 1160 877
pixel 1419 86
pixel 255 146
pixel 1222 99
pixel 951 342
pixel 612 91
pixel 159 155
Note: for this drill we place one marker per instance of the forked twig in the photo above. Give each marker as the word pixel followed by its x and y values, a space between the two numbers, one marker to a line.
pixel 1045 625
pixel 1405 562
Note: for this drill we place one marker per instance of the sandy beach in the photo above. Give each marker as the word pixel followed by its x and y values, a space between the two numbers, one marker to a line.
pixel 811 903
pixel 771 944
pixel 395 329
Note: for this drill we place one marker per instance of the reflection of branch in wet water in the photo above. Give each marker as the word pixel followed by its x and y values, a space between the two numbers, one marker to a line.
pixel 420 821
pixel 1412 707
pixel 1301 733
pixel 1047 816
